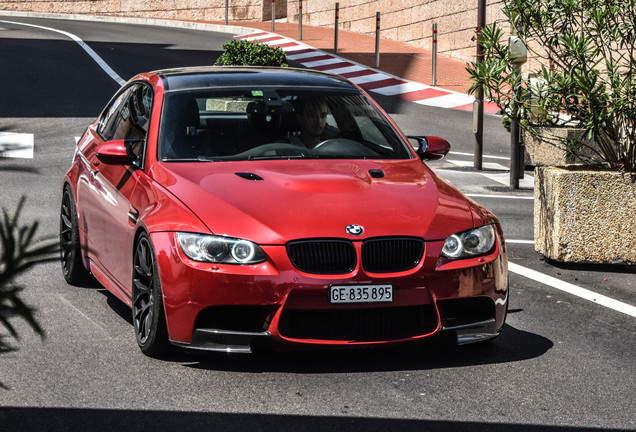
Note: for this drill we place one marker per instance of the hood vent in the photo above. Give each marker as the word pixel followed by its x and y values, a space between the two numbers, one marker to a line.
pixel 249 176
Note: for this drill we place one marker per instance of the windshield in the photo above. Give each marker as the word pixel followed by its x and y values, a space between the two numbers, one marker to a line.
pixel 275 123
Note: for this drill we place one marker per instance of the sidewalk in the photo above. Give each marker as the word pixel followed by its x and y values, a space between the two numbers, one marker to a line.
pixel 404 71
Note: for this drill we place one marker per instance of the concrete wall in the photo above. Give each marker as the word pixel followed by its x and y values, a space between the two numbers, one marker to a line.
pixel 403 20
pixel 191 10
pixel 408 21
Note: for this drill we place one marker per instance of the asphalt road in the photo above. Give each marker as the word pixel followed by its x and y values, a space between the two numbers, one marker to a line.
pixel 561 364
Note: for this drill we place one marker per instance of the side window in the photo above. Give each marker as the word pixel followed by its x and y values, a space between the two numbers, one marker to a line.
pixel 109 121
pixel 128 117
pixel 140 106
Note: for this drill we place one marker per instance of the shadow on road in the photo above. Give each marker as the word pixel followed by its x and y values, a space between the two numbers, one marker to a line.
pixel 511 346
pixel 592 267
pixel 96 420
pixel 9 165
pixel 50 85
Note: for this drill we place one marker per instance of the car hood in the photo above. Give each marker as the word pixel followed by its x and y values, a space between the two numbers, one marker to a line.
pixel 272 202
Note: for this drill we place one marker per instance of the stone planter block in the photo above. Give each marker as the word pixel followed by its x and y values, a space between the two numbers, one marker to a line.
pixel 546 148
pixel 585 216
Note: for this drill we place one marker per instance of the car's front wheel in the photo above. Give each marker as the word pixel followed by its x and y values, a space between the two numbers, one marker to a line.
pixel 148 315
pixel 70 249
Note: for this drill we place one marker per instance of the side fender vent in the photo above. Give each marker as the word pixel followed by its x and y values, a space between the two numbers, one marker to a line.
pixel 376 173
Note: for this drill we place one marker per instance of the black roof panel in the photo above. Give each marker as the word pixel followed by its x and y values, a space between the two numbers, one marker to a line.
pixel 242 76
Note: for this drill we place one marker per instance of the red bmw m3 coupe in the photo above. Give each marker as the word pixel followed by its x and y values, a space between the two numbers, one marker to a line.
pixel 240 208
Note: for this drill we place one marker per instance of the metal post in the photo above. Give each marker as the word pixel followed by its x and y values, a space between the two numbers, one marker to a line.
pixel 377 39
pixel 522 156
pixel 515 147
pixel 227 8
pixel 273 13
pixel 434 54
pixel 335 27
pixel 514 155
pixel 300 19
pixel 478 107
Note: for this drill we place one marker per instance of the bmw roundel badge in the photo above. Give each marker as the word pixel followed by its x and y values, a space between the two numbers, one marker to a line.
pixel 355 230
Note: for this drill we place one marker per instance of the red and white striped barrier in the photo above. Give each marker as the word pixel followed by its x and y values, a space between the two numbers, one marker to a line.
pixel 368 78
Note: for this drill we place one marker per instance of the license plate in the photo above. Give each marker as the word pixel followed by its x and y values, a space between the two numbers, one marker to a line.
pixel 361 293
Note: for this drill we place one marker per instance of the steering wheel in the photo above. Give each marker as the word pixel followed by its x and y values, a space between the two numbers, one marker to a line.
pixel 332 142
pixel 344 147
pixel 277 149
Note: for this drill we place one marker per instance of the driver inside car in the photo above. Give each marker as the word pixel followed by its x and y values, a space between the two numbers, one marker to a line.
pixel 312 117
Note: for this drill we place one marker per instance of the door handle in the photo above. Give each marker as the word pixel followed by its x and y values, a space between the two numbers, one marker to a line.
pixel 133 216
pixel 94 168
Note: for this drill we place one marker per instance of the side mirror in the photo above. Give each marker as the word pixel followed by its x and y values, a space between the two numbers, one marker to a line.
pixel 431 147
pixel 114 153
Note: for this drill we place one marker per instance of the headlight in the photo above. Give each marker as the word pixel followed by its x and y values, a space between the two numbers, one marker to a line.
pixel 215 249
pixel 469 243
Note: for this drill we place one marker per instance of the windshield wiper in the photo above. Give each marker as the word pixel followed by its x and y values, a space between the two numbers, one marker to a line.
pixel 180 160
pixel 216 158
pixel 259 157
pixel 274 157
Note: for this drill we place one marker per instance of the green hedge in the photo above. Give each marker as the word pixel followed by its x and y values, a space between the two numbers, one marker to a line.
pixel 246 53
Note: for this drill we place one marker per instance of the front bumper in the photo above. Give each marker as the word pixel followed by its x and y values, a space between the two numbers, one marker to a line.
pixel 232 308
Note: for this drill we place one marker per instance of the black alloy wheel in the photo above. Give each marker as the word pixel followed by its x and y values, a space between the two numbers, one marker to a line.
pixel 70 249
pixel 148 315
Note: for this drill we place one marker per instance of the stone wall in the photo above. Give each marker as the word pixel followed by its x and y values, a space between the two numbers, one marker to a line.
pixel 408 21
pixel 403 20
pixel 190 10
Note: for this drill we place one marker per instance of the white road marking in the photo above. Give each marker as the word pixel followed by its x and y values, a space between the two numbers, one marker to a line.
pixel 484 156
pixel 95 324
pixel 530 242
pixel 527 182
pixel 293 49
pixel 493 166
pixel 119 80
pixel 346 69
pixel 16 145
pixel 260 36
pixel 303 55
pixel 573 289
pixel 500 196
pixel 318 63
pixel 450 100
pixel 504 177
pixel 369 78
pixel 401 89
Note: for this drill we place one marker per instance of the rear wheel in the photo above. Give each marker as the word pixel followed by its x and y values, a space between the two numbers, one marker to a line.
pixel 70 249
pixel 148 314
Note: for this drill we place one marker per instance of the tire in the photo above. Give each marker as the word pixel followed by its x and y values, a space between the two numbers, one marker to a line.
pixel 149 319
pixel 70 248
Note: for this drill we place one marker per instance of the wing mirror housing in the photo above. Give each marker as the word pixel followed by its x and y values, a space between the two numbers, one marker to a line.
pixel 115 152
pixel 431 147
